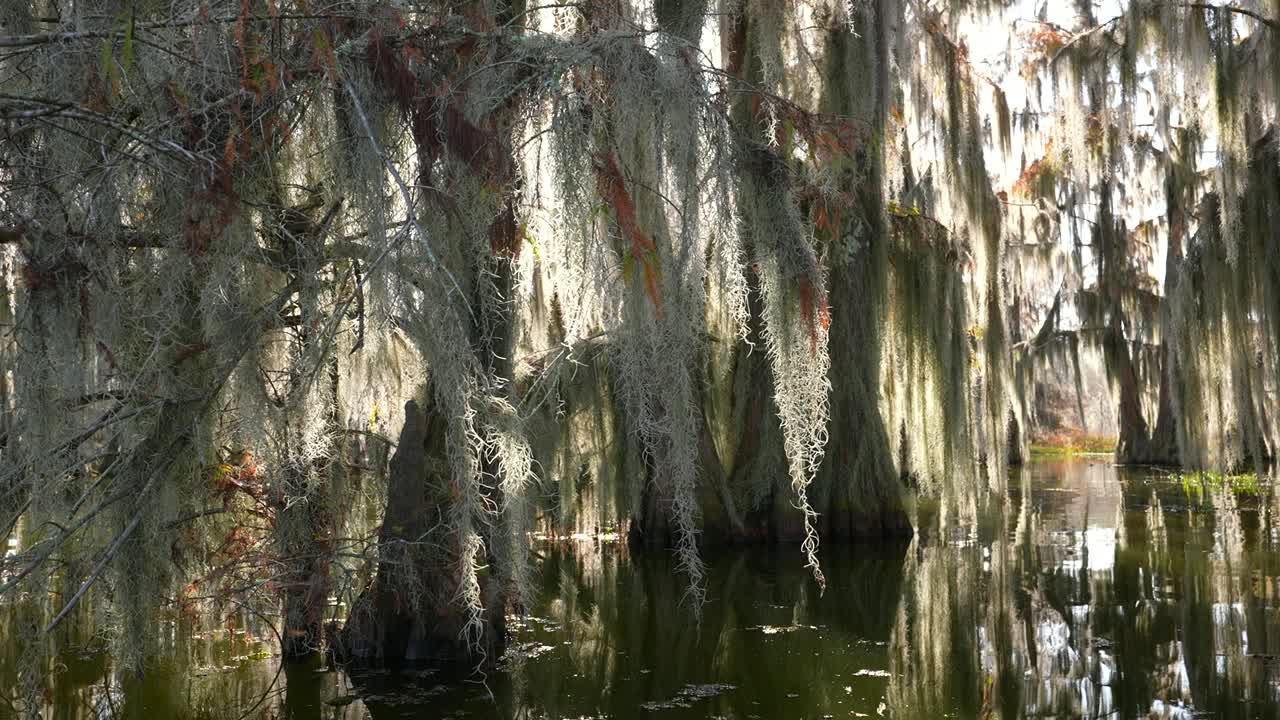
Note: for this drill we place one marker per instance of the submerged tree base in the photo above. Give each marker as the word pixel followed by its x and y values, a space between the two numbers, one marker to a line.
pixel 411 610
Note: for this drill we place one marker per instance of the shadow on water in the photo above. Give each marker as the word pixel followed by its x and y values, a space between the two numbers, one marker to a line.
pixel 1093 592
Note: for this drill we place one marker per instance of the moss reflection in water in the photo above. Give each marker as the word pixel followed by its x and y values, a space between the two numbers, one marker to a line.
pixel 1094 592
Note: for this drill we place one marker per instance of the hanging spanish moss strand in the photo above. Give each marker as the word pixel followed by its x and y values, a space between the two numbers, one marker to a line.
pixel 329 317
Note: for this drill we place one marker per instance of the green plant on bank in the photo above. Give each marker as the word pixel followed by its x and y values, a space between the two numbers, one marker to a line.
pixel 1073 444
pixel 1195 483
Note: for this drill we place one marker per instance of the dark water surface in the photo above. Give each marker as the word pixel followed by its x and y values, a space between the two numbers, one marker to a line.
pixel 1091 593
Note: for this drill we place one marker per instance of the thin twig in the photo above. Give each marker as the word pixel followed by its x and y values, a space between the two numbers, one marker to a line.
pixel 102 565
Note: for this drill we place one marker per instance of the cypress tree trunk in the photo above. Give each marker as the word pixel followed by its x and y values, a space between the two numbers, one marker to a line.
pixel 1164 441
pixel 305 529
pixel 1135 439
pixel 409 610
pixel 858 491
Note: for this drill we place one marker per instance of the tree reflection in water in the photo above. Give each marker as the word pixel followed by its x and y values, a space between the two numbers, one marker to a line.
pixel 1119 595
pixel 1094 592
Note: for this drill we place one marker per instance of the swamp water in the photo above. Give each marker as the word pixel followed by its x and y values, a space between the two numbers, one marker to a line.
pixel 1094 592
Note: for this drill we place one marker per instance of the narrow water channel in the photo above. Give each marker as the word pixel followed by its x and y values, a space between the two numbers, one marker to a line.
pixel 1093 592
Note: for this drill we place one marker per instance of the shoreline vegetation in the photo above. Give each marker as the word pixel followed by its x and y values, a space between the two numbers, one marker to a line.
pixel 1197 483
pixel 1070 442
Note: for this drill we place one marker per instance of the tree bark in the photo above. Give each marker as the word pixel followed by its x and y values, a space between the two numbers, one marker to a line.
pixel 409 611
pixel 858 491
